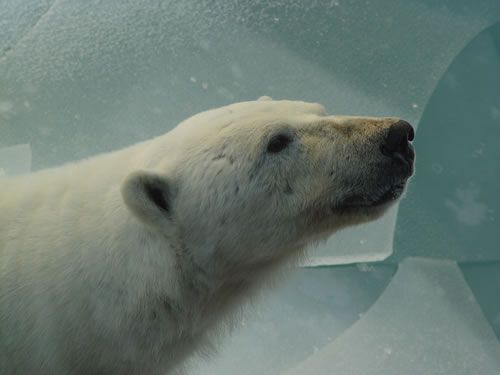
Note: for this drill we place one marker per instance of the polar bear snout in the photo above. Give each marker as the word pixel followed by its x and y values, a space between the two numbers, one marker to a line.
pixel 398 157
pixel 396 146
pixel 378 164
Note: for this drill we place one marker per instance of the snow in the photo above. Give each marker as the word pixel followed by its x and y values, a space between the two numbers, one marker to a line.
pixel 426 322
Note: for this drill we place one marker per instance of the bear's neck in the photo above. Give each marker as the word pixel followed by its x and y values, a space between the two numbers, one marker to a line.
pixel 218 289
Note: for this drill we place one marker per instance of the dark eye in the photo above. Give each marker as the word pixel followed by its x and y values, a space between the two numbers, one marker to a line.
pixel 278 143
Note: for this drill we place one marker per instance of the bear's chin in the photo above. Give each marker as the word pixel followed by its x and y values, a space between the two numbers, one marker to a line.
pixel 377 200
pixel 359 209
pixel 364 213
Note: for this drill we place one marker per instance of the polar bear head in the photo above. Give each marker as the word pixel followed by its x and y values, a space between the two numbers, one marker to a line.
pixel 254 182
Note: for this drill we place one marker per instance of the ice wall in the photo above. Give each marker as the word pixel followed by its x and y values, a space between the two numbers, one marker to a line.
pixel 426 322
pixel 296 319
pixel 453 204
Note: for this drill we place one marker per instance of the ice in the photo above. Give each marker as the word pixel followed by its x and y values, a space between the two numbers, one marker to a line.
pixel 296 319
pixel 16 19
pixel 6 109
pixel 15 160
pixel 426 322
pixel 452 205
pixel 467 207
pixel 484 281
pixel 368 243
pixel 82 77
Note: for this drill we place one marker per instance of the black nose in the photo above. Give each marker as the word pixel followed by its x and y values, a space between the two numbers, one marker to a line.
pixel 396 144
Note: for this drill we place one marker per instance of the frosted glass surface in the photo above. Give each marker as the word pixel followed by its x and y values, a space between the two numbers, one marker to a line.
pixel 83 77
pixel 426 322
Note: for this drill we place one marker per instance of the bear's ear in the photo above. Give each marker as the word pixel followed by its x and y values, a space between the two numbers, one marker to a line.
pixel 148 196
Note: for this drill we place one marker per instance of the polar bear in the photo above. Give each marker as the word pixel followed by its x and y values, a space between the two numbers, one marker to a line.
pixel 128 262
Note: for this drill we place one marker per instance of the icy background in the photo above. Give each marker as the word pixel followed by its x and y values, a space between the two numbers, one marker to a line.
pixel 83 77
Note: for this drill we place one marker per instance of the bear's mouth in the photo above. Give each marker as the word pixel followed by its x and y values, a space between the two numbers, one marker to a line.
pixel 377 198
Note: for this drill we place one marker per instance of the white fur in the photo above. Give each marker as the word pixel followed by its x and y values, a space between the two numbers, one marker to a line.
pixel 95 278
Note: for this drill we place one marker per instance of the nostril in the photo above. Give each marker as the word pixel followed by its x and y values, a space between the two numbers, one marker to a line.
pixel 405 128
pixel 398 136
pixel 396 143
pixel 411 133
